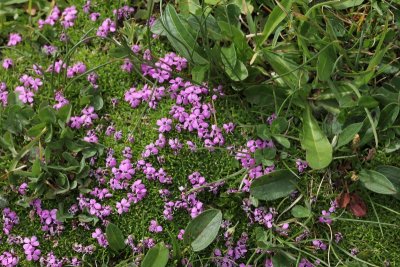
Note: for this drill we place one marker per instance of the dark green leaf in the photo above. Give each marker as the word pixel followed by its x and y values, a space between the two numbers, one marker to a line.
pixel 199 72
pixel 115 237
pixel 326 63
pixel 47 115
pixel 291 74
pixel 274 185
pixel 203 229
pixel 318 149
pixel 97 102
pixel 277 16
pixel 347 135
pixel 388 116
pixel 180 38
pixel 377 182
pixel 282 140
pixel 367 102
pixel 301 212
pixel 157 256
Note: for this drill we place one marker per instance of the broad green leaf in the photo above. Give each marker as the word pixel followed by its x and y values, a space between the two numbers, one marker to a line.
pixel 47 115
pixel 187 7
pixel 97 102
pixel 377 182
pixel 287 69
pixel 277 16
pixel 203 229
pixel 64 113
pixel 36 129
pixel 388 116
pixel 318 149
pixel 157 256
pixel 301 212
pixel 208 25
pixel 266 153
pixel 274 185
pixel 345 4
pixel 180 38
pixel 239 73
pixel 281 260
pixel 279 125
pixel 393 175
pixel 326 63
pixel 228 55
pixel 282 140
pixel 366 101
pixel 347 135
pixel 199 72
pixel 115 237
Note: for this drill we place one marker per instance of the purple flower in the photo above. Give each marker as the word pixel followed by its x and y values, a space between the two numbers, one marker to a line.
pixel 164 125
pixel 155 227
pixel 7 63
pixel 94 16
pixel 8 259
pixel 68 17
pixel 318 244
pixel 14 39
pixel 123 206
pixel 301 165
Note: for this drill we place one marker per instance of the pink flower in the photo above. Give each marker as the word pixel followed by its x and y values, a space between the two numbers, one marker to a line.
pixel 14 39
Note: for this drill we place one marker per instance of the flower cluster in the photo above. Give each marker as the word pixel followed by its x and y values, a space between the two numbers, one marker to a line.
pixel 7 63
pixel 10 219
pixel 68 17
pixel 85 120
pixel 31 251
pixel 3 94
pixel 8 259
pixel 26 91
pixel 107 26
pixel 124 12
pixel 326 215
pixel 76 69
pixel 51 19
pixel 14 39
pixel 60 99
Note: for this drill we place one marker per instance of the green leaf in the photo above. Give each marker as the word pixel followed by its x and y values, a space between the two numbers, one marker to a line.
pixel 3 202
pixel 235 69
pixel 36 129
pixel 377 182
pixel 287 69
pixel 274 185
pixel 157 256
pixel 47 115
pixel 265 154
pixel 115 237
pixel 64 113
pixel 393 175
pixel 199 72
pixel 326 63
pixel 301 212
pixel 281 260
pixel 180 38
pixel 347 135
pixel 388 116
pixel 277 16
pixel 203 229
pixel 345 4
pixel 279 125
pixel 318 149
pixel 367 102
pixel 97 102
pixel 189 7
pixel 282 140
